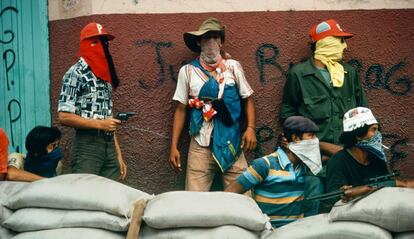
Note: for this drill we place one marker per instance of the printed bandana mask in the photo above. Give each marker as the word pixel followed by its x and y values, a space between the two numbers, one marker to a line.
pixel 373 145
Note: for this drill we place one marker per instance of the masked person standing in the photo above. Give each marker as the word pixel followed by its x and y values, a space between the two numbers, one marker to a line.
pixel 213 88
pixel 278 179
pixel 85 103
pixel 322 89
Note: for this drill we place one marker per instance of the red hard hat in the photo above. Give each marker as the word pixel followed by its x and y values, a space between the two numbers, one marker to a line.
pixel 94 29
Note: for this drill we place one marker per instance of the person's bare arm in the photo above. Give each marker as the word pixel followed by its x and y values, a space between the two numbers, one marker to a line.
pixel 14 174
pixel 329 149
pixel 75 121
pixel 249 140
pixel 235 187
pixel 178 124
pixel 121 162
pixel 407 183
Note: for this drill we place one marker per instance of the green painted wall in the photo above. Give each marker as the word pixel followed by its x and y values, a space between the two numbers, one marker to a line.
pixel 24 69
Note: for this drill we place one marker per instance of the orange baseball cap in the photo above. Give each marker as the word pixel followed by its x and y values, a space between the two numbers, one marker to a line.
pixel 94 29
pixel 327 28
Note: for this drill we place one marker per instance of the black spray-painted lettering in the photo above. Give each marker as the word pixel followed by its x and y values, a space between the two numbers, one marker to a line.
pixel 8 66
pixel 13 118
pixel 8 32
pixel 160 61
pixel 263 59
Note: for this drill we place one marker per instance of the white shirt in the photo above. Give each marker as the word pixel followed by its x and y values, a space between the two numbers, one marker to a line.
pixel 191 80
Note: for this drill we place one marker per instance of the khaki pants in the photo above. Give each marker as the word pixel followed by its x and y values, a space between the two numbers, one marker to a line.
pixel 201 168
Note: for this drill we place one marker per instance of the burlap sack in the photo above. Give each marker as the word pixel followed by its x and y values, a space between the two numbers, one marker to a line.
pixel 319 227
pixel 204 209
pixel 223 232
pixel 70 233
pixel 35 219
pixel 389 208
pixel 78 191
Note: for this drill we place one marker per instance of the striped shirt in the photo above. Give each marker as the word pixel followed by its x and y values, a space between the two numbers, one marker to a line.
pixel 277 185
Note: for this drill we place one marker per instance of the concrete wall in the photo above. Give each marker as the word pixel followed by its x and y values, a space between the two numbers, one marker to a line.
pixel 148 52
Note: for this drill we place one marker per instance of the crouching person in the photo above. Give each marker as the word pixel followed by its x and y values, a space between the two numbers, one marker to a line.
pixel 278 179
pixel 43 152
pixel 11 173
pixel 362 158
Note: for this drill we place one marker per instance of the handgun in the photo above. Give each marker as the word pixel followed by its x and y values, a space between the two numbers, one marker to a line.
pixel 124 116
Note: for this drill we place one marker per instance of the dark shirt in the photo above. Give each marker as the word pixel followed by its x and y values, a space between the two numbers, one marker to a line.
pixel 307 93
pixel 343 169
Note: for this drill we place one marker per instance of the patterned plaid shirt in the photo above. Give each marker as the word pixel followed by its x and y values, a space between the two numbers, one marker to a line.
pixel 84 94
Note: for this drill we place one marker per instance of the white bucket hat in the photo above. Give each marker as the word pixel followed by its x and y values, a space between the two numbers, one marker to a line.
pixel 357 118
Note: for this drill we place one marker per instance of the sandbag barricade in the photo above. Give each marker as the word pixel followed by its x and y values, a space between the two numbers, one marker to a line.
pixel 83 204
pixel 204 209
pixel 184 213
pixel 7 189
pixel 222 232
pixel 70 233
pixel 79 192
pixel 27 219
pixel 391 208
pixel 319 227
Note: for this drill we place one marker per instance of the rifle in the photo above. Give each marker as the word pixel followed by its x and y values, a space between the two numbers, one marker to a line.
pixel 375 182
pixel 124 116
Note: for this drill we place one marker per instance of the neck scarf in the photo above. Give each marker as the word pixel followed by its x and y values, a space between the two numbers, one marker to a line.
pixel 329 51
pixel 373 145
pixel 214 66
pixel 308 152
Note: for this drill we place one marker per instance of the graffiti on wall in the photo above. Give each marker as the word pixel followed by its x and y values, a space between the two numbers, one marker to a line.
pixel 158 45
pixel 375 77
pixel 378 77
pixel 9 58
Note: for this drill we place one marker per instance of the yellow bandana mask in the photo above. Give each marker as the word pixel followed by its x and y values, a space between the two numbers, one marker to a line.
pixel 329 51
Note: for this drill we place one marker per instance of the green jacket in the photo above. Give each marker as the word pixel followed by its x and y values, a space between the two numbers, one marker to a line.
pixel 306 93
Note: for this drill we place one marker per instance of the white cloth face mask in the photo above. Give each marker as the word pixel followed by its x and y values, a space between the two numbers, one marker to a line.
pixel 308 151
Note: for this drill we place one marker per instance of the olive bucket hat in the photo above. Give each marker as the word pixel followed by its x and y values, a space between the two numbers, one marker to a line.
pixel 210 25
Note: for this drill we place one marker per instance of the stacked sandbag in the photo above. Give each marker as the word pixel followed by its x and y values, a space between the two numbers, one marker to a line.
pixel 71 233
pixel 222 232
pixel 319 227
pixel 183 214
pixel 391 208
pixel 7 189
pixel 62 204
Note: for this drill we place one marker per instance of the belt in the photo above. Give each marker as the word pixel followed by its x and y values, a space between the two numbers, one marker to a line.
pixel 106 135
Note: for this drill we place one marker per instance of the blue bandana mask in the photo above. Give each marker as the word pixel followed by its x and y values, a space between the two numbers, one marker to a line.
pixel 373 145
pixel 45 165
